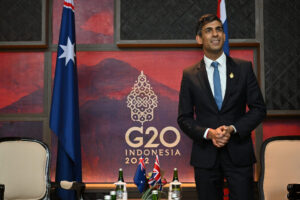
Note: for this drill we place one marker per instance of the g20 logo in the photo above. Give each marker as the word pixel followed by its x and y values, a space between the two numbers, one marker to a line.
pixel 138 141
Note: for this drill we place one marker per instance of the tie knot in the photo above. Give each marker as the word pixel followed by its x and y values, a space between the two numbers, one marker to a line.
pixel 214 64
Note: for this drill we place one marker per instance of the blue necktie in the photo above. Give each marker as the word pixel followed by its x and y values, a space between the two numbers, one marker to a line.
pixel 217 85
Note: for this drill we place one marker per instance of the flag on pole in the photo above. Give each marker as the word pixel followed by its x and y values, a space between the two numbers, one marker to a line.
pixel 140 175
pixel 64 115
pixel 221 13
pixel 155 178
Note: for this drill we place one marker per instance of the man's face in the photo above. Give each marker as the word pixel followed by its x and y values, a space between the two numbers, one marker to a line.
pixel 212 38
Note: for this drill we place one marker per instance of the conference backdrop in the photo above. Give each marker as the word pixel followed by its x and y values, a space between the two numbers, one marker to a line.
pixel 128 108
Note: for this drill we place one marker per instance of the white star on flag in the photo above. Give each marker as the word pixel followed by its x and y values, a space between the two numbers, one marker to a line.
pixel 69 52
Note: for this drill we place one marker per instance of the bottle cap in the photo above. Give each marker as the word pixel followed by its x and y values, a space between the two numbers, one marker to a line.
pixel 154 192
pixel 112 192
pixel 175 169
pixel 173 195
pixel 120 169
pixel 107 197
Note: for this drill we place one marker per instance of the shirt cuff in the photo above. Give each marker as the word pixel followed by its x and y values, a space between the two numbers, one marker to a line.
pixel 205 133
pixel 234 129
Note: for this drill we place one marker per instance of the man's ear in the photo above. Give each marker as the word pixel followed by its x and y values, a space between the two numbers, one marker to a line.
pixel 199 39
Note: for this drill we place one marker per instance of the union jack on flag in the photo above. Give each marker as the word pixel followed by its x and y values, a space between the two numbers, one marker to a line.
pixel 155 178
pixel 140 175
pixel 221 13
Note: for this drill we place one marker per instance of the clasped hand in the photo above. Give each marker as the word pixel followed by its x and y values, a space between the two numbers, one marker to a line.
pixel 220 136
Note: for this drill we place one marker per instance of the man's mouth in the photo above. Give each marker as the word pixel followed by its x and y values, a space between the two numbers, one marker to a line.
pixel 215 41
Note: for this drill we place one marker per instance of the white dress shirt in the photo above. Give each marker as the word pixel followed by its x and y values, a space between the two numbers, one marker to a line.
pixel 222 71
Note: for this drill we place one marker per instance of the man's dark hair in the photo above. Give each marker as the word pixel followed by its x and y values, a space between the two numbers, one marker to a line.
pixel 205 19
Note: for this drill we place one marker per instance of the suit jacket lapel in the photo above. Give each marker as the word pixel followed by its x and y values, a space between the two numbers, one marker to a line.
pixel 204 79
pixel 231 79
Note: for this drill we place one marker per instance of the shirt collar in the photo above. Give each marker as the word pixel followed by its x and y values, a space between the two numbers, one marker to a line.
pixel 221 60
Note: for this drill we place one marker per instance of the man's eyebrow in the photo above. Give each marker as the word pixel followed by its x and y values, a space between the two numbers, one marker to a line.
pixel 211 28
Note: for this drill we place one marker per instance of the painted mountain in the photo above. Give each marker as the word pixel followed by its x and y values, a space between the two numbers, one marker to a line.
pixel 21 82
pixel 94 24
pixel 29 129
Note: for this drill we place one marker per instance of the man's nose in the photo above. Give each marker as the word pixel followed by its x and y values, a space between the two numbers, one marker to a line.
pixel 214 32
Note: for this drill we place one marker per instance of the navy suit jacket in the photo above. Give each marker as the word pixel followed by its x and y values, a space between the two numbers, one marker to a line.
pixel 198 111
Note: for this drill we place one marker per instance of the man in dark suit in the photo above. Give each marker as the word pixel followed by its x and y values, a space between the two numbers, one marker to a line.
pixel 213 101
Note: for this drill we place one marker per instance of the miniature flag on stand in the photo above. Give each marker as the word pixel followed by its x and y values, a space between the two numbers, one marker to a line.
pixel 140 175
pixel 221 13
pixel 155 178
pixel 64 116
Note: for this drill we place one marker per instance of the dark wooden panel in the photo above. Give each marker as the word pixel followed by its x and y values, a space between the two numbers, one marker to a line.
pixel 175 20
pixel 282 50
pixel 22 23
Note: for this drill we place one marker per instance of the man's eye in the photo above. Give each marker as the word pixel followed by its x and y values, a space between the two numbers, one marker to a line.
pixel 208 30
pixel 219 29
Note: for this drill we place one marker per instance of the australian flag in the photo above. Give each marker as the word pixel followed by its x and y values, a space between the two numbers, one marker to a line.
pixel 64 116
pixel 221 13
pixel 140 175
pixel 155 178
